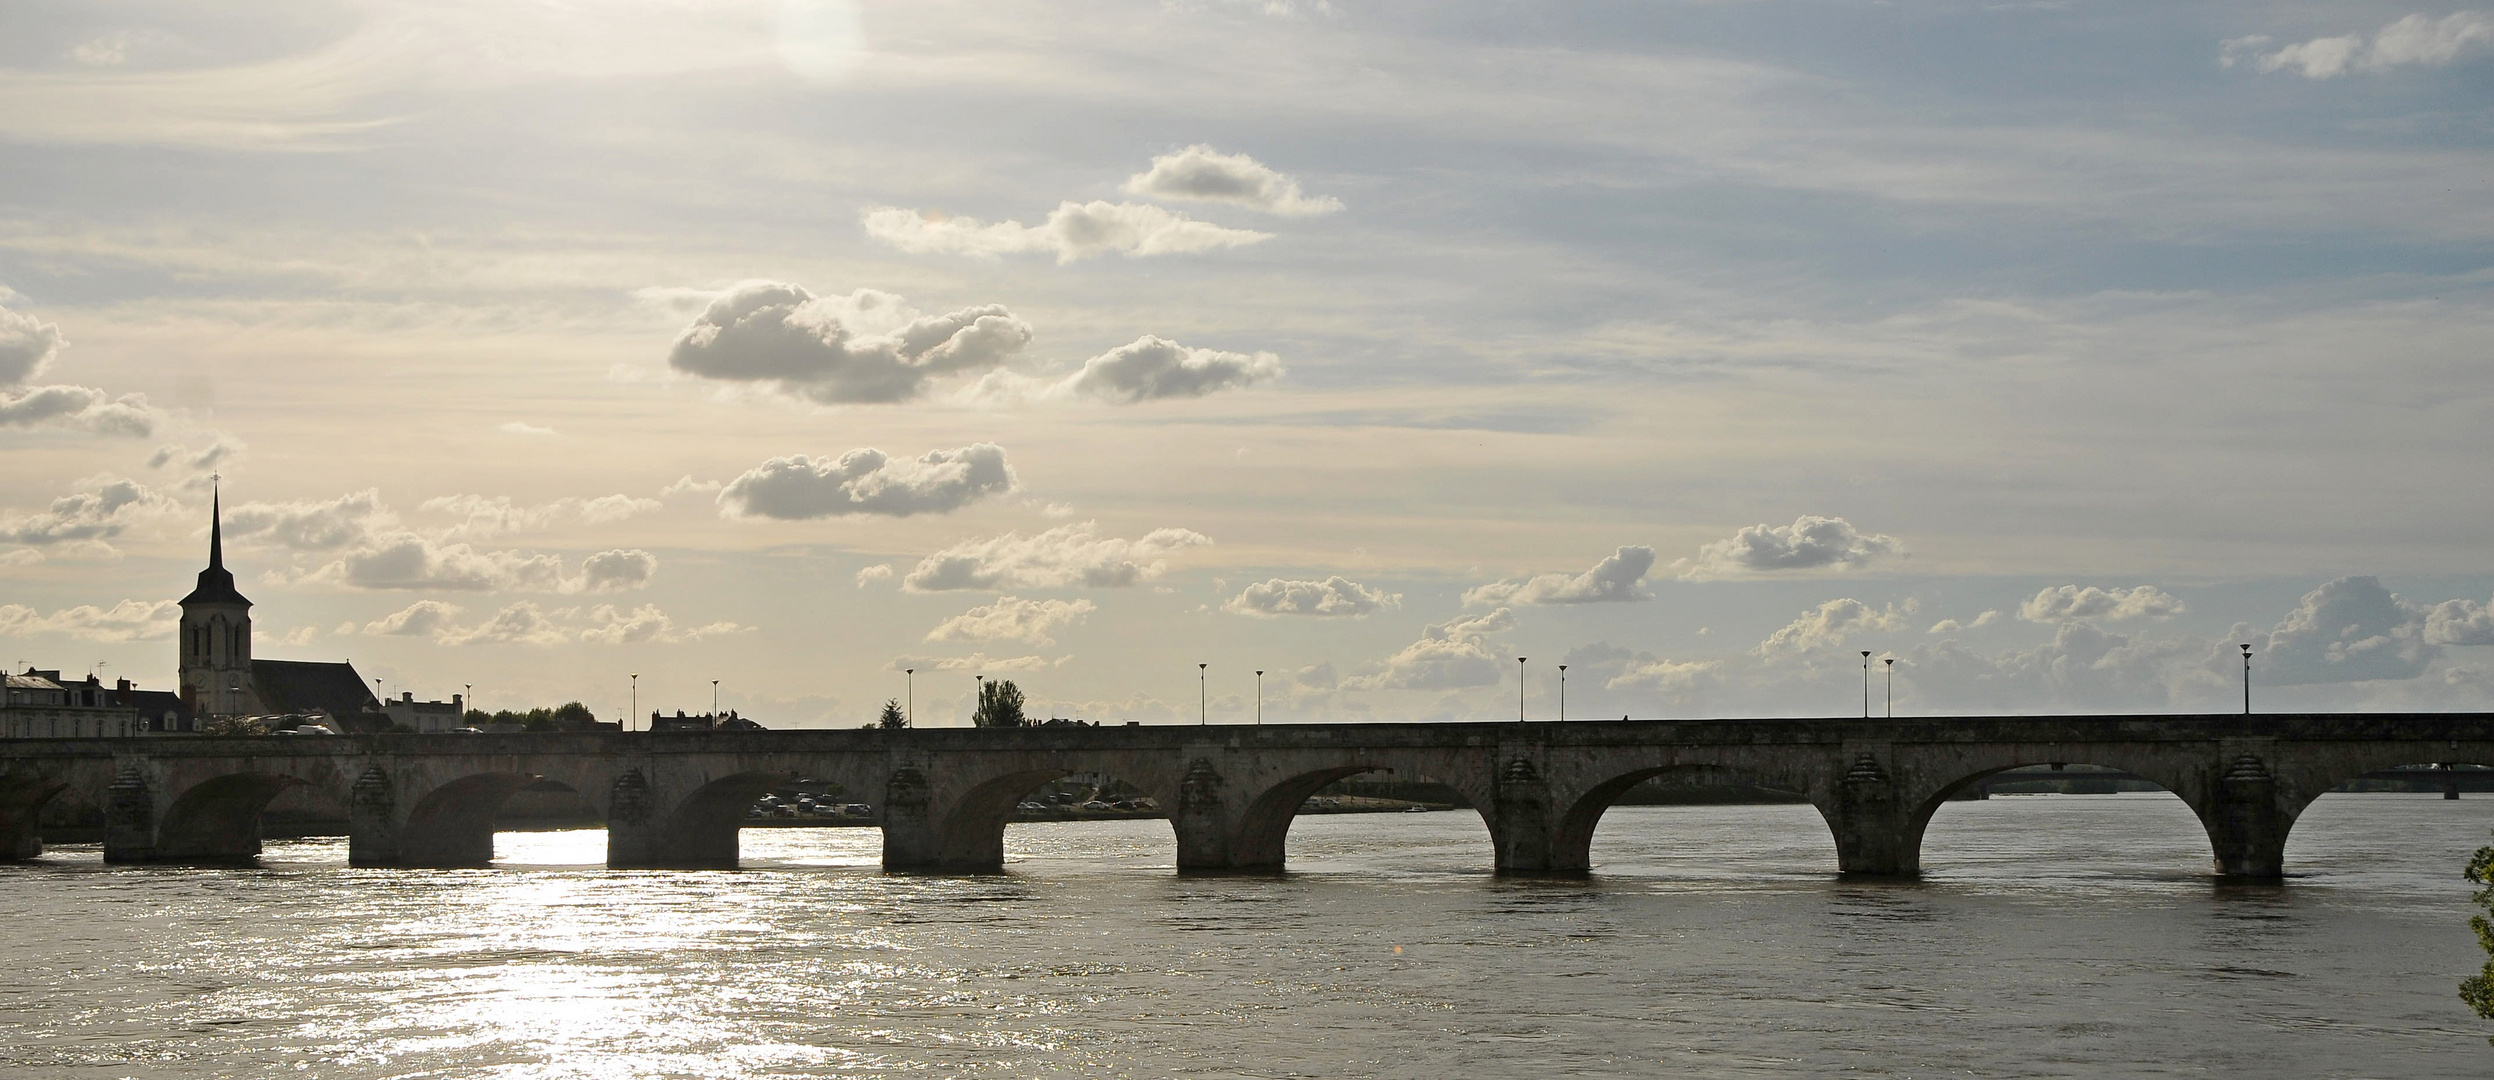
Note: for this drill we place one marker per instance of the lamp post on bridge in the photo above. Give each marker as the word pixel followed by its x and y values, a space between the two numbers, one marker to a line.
pixel 2247 678
pixel 1891 662
pixel 1563 693
pixel 909 689
pixel 1259 697
pixel 636 701
pixel 1203 696
pixel 1519 689
pixel 1866 684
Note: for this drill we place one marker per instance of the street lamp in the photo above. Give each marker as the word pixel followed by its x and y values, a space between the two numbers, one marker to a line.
pixel 1519 689
pixel 1563 693
pixel 1259 697
pixel 2247 678
pixel 1891 662
pixel 636 701
pixel 714 700
pixel 909 686
pixel 1866 684
pixel 1203 696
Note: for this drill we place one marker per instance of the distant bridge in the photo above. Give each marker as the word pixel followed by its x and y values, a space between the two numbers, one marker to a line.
pixel 944 794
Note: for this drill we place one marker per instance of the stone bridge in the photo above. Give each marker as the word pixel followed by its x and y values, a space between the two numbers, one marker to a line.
pixel 943 795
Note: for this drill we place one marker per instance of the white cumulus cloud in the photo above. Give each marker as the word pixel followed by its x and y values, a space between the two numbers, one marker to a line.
pixel 27 348
pixel 1201 172
pixel 87 515
pixel 129 620
pixel 1013 619
pixel 1073 231
pixel 1449 655
pixel 1811 542
pixel 424 618
pixel 1336 596
pixel 1068 556
pixel 1147 369
pixel 977 662
pixel 406 560
pixel 2460 622
pixel 2348 630
pixel 2112 605
pixel 868 346
pixel 1829 624
pixel 867 481
pixel 2415 40
pixel 1617 577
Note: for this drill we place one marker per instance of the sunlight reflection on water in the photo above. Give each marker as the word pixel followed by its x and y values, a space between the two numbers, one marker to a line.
pixel 2053 935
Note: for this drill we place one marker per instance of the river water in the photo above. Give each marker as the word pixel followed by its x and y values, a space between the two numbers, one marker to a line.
pixel 2051 936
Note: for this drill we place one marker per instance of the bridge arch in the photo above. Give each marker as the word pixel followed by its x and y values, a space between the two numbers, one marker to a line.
pixel 452 826
pixel 1571 841
pixel 2306 792
pixel 217 819
pixel 2184 787
pixel 697 831
pixel 1261 835
pixel 22 799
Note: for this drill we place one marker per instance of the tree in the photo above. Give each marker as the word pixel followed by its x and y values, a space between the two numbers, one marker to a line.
pixel 892 717
pixel 572 714
pixel 1000 705
pixel 2478 989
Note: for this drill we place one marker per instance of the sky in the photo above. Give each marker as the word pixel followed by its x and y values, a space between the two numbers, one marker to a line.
pixel 1401 351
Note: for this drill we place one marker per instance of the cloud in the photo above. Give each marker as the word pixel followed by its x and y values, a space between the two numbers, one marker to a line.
pixel 2111 605
pixel 80 407
pixel 1147 369
pixel 1615 579
pixel 217 453
pixel 319 525
pixel 2414 40
pixel 519 624
pixel 1012 619
pixel 515 427
pixel 2348 630
pixel 524 623
pixel 484 518
pixel 977 662
pixel 1449 655
pixel 1827 626
pixel 27 347
pixel 874 575
pixel 86 516
pixel 1073 231
pixel 1201 172
pixel 1951 626
pixel 1068 556
pixel 2460 622
pixel 609 625
pixel 2082 666
pixel 865 481
pixel 129 620
pixel 1334 597
pixel 867 346
pixel 405 560
pixel 1809 543
pixel 1671 678
pixel 424 618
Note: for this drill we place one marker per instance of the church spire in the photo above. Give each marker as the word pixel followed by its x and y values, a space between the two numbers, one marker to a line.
pixel 216 526
pixel 216 583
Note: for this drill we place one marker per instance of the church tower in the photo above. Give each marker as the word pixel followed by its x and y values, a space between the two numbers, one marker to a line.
pixel 216 634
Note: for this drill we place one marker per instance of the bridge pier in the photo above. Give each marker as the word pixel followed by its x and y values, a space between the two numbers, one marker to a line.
pixel 1876 834
pixel 2245 823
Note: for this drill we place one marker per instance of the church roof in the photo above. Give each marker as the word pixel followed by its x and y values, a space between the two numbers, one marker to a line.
pixel 216 583
pixel 301 686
